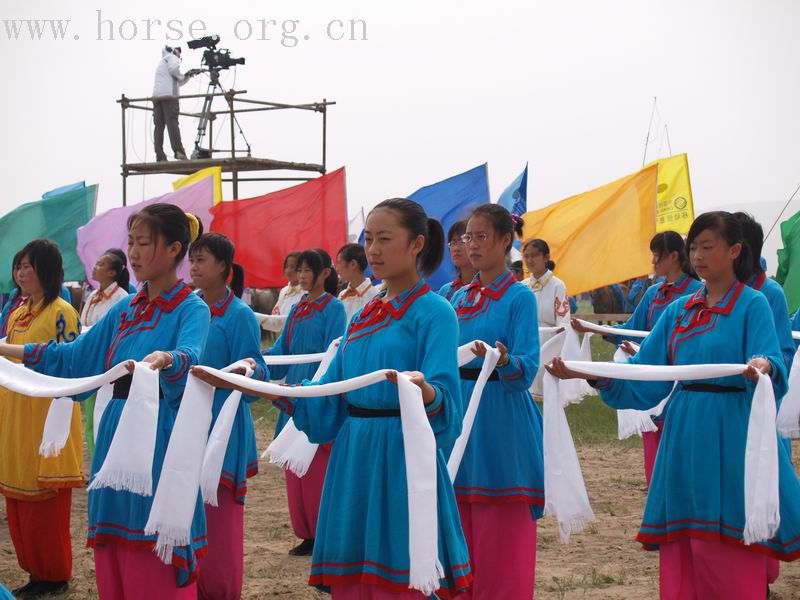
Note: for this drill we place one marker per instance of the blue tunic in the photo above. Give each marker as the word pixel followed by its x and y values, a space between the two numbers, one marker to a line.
pixel 796 326
pixel 449 289
pixel 655 300
pixel 178 321
pixel 503 461
pixel 362 532
pixel 697 489
pixel 310 328
pixel 780 313
pixel 234 335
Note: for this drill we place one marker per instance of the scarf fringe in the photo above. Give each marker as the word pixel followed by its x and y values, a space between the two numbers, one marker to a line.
pixel 789 431
pixel 634 422
pixel 51 449
pixel 569 525
pixel 758 529
pixel 123 481
pixel 426 580
pixel 295 464
pixel 210 495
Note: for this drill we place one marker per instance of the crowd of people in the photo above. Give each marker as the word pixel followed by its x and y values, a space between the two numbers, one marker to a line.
pixel 711 303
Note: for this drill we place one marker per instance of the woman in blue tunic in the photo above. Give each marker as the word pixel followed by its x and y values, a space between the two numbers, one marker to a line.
pixel 234 335
pixel 458 255
pixel 671 262
pixel 313 323
pixel 362 545
pixel 695 511
pixel 164 325
pixel 500 483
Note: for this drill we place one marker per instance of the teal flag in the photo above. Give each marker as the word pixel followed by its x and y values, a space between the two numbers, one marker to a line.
pixel 56 219
pixel 788 273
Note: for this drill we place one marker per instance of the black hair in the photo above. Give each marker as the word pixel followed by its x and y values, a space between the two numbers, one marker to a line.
pixel 516 265
pixel 168 222
pixel 729 228
pixel 753 234
pixel 119 262
pixel 667 242
pixel 519 223
pixel 221 247
pixel 501 220
pixel 456 230
pixel 45 258
pixel 412 217
pixel 295 255
pixel 543 248
pixel 14 262
pixel 354 252
pixel 317 260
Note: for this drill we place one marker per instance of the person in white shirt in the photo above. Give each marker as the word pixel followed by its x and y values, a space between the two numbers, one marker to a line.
pixel 165 103
pixel 351 262
pixel 111 273
pixel 552 302
pixel 291 293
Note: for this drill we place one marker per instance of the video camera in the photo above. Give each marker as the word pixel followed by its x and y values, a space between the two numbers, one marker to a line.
pixel 213 59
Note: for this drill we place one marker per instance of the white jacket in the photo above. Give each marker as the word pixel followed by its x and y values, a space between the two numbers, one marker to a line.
pixel 168 75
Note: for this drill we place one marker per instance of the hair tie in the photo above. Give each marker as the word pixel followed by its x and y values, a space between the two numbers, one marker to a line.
pixel 515 219
pixel 194 227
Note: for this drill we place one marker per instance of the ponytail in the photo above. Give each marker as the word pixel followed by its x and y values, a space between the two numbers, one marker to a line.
pixel 550 265
pixel 119 263
pixel 237 280
pixel 432 253
pixel 318 260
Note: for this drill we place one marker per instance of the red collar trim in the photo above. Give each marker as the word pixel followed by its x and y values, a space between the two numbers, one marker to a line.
pixel 168 300
pixel 397 307
pixel 494 290
pixel 759 281
pixel 698 299
pixel 218 309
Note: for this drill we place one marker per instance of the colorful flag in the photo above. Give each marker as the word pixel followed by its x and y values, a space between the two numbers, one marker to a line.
pixel 110 229
pixel 515 197
pixel 266 228
pixel 600 237
pixel 56 219
pixel 449 201
pixel 214 172
pixel 788 273
pixel 675 210
pixel 64 188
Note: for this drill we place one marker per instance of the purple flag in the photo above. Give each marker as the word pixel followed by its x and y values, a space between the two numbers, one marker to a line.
pixel 110 229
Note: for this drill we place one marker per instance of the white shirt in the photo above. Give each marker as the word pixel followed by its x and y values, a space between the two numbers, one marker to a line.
pixel 100 302
pixel 287 298
pixel 168 76
pixel 354 299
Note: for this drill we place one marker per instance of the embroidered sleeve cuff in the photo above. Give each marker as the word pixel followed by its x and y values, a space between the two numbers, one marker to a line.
pixel 435 407
pixel 284 405
pixel 33 354
pixel 179 368
pixel 603 383
pixel 511 370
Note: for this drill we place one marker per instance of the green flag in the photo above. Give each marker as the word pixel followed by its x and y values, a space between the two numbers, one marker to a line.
pixel 57 219
pixel 788 274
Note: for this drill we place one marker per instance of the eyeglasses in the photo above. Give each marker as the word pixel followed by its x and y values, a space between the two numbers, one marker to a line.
pixel 478 237
pixel 455 243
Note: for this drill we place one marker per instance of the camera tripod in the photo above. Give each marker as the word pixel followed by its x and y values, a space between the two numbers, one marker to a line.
pixel 206 115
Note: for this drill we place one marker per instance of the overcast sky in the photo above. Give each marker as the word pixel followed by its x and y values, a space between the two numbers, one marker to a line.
pixel 435 89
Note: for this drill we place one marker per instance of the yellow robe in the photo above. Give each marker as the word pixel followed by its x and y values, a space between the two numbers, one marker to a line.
pixel 24 475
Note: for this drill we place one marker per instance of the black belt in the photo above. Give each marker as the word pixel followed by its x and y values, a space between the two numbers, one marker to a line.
pixel 711 387
pixel 122 387
pixel 372 413
pixel 473 374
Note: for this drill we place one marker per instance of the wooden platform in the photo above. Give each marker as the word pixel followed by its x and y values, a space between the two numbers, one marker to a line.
pixel 238 164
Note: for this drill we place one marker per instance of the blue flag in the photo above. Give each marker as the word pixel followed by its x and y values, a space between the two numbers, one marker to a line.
pixel 64 189
pixel 515 197
pixel 449 201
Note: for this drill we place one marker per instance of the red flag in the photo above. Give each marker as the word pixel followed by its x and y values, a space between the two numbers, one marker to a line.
pixel 266 228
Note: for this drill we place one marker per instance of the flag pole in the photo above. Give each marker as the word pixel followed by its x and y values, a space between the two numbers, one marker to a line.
pixel 649 127
pixel 780 214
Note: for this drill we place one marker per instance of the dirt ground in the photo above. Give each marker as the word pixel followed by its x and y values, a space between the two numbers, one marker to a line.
pixel 603 562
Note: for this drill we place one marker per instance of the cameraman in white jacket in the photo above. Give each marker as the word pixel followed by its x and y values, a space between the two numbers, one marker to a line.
pixel 165 103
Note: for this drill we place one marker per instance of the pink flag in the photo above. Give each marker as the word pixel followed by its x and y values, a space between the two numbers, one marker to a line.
pixel 110 229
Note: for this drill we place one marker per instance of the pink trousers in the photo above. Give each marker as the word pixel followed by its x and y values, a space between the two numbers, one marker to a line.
pixel 304 494
pixel 130 574
pixel 371 592
pixel 501 539
pixel 222 568
pixel 650 440
pixel 698 569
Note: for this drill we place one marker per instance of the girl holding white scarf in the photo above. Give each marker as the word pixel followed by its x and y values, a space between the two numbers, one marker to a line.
pixel 165 325
pixel 671 262
pixel 234 335
pixel 500 483
pixel 313 323
pixel 362 548
pixel 695 509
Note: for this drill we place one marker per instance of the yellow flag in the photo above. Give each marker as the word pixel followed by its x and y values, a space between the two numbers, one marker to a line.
pixel 600 237
pixel 215 172
pixel 675 210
